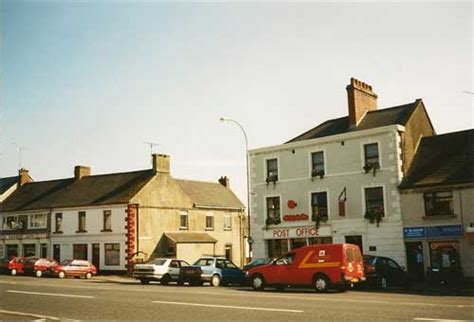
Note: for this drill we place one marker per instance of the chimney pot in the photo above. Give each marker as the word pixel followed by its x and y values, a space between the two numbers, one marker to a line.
pixel 225 181
pixel 361 99
pixel 23 176
pixel 161 163
pixel 81 172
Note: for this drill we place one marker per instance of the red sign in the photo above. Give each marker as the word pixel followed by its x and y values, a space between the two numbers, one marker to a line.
pixel 292 204
pixel 296 217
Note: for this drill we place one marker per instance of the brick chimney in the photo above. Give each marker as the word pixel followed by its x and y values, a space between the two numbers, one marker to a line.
pixel 81 172
pixel 225 182
pixel 361 99
pixel 23 176
pixel 161 163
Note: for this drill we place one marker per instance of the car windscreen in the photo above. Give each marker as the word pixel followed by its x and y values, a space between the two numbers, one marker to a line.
pixel 204 262
pixel 158 262
pixel 66 262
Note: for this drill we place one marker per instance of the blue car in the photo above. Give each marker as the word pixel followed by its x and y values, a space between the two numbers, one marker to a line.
pixel 215 270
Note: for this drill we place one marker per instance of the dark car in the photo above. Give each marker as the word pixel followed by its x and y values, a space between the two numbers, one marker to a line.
pixel 38 266
pixel 383 272
pixel 215 270
pixel 12 265
pixel 256 262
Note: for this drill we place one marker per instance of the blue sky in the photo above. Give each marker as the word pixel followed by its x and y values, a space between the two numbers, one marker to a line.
pixel 87 82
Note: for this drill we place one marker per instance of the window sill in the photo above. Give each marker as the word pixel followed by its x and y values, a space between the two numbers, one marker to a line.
pixel 106 231
pixel 209 229
pixel 440 217
pixel 227 229
pixel 183 228
pixel 81 231
pixel 58 232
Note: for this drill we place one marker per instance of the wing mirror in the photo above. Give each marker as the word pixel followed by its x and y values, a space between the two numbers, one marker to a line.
pixel 403 268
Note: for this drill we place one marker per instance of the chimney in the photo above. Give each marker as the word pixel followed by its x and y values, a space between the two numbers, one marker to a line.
pixel 361 99
pixel 81 172
pixel 161 163
pixel 225 182
pixel 23 176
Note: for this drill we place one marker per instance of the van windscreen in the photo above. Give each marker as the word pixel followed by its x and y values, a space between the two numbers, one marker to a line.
pixel 349 255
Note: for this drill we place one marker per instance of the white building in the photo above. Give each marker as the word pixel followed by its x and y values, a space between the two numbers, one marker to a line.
pixel 338 181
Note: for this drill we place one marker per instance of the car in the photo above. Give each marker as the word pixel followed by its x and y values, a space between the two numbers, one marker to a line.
pixel 73 268
pixel 213 269
pixel 256 262
pixel 164 270
pixel 383 272
pixel 12 265
pixel 38 266
pixel 322 266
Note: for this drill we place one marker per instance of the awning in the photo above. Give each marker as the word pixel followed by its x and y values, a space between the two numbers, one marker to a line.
pixel 190 238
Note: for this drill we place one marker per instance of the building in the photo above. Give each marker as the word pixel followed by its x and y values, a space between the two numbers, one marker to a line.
pixel 437 200
pixel 112 219
pixel 338 182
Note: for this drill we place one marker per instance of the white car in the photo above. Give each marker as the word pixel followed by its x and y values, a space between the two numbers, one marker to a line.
pixel 164 270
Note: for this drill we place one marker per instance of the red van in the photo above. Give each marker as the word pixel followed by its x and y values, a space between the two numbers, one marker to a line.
pixel 321 266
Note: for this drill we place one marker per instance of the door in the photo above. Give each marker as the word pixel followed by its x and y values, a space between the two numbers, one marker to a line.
pixel 57 252
pixel 355 240
pixel 281 272
pixel 96 256
pixel 232 272
pixel 415 266
pixel 395 275
pixel 173 269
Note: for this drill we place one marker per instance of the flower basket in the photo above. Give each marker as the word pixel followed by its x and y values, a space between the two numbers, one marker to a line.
pixel 371 166
pixel 374 217
pixel 317 218
pixel 273 221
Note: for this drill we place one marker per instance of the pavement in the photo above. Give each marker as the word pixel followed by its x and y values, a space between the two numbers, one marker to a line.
pixel 122 298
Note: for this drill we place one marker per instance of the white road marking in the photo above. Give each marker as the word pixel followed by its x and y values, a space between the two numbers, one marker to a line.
pixel 52 294
pixel 439 320
pixel 230 307
pixel 30 314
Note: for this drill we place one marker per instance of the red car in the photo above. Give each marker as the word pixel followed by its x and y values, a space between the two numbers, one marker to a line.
pixel 12 265
pixel 38 266
pixel 74 268
pixel 321 266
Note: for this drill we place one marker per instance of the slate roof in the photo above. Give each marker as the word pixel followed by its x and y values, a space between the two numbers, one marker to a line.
pixel 93 190
pixel 373 119
pixel 7 183
pixel 209 194
pixel 442 160
pixel 190 237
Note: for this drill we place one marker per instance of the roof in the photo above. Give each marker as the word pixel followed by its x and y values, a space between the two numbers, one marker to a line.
pixel 7 183
pixel 442 160
pixel 190 237
pixel 93 190
pixel 209 194
pixel 373 119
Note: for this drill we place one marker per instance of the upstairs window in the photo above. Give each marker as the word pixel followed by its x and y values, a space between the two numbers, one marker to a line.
pixel 37 221
pixel 319 206
pixel 374 204
pixel 317 164
pixel 227 221
pixel 183 221
pixel 273 211
pixel 272 170
pixel 439 203
pixel 371 155
pixel 107 220
pixel 58 222
pixel 9 222
pixel 209 222
pixel 81 221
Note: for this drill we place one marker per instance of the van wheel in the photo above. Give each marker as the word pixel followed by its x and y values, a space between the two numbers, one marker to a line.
pixel 88 276
pixel 39 273
pixel 61 274
pixel 13 271
pixel 216 280
pixel 258 283
pixel 321 284
pixel 165 280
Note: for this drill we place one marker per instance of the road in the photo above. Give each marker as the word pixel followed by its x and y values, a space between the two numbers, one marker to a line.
pixel 123 299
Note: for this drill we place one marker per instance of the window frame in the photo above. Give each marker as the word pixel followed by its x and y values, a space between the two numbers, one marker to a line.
pixel 434 199
pixel 365 158
pixel 5 225
pixel 311 193
pixel 107 219
pixel 106 259
pixel 364 199
pixel 58 215
pixel 30 221
pixel 267 208
pixel 273 178
pixel 211 227
pixel 227 216
pixel 79 228
pixel 312 173
pixel 181 214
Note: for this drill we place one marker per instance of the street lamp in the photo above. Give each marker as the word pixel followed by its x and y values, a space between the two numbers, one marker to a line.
pixel 249 237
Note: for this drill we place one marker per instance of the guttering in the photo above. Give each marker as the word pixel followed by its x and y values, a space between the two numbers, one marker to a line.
pixel 217 207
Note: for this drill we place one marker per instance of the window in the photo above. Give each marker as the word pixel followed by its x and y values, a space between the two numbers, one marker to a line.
pixel 272 170
pixel 286 259
pixel 317 164
pixel 439 203
pixel 112 254
pixel 58 220
pixel 44 250
pixel 273 211
pixel 319 240
pixel 29 250
pixel 57 252
pixel 107 220
pixel 227 221
pixel 12 250
pixel 277 247
pixel 80 251
pixel 209 222
pixel 183 220
pixel 445 256
pixel 37 221
pixel 228 252
pixel 174 264
pixel 371 154
pixel 374 202
pixel 229 264
pixel 82 221
pixel 8 222
pixel 319 206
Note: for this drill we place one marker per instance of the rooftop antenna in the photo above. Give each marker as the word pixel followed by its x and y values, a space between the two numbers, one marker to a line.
pixel 151 145
pixel 19 149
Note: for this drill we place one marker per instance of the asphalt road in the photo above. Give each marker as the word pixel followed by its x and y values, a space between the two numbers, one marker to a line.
pixel 122 299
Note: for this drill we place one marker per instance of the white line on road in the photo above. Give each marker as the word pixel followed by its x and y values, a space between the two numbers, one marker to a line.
pixel 230 307
pixel 30 314
pixel 52 294
pixel 439 320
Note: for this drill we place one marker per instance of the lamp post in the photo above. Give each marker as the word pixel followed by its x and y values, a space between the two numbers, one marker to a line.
pixel 249 237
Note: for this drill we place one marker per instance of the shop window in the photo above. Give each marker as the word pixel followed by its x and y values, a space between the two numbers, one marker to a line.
pixel 12 250
pixel 58 222
pixel 319 206
pixel 183 221
pixel 29 250
pixel 444 256
pixel 81 218
pixel 297 242
pixel 209 222
pixel 371 156
pixel 272 170
pixel 80 251
pixel 319 240
pixel 227 221
pixel 374 204
pixel 317 164
pixel 37 221
pixel 112 254
pixel 277 247
pixel 107 220
pixel 439 203
pixel 273 211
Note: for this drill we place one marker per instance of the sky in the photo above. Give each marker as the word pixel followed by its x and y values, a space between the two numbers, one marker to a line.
pixel 88 82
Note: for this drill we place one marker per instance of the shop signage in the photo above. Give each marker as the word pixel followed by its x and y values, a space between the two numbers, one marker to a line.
pixel 432 231
pixel 296 217
pixel 296 232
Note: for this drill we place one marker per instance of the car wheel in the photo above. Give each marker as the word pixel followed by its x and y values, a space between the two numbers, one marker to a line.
pixel 88 276
pixel 61 274
pixel 13 271
pixel 216 280
pixel 165 280
pixel 144 281
pixel 39 273
pixel 383 283
pixel 258 283
pixel 321 284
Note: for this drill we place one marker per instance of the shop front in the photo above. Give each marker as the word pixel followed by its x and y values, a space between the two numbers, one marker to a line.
pixel 281 240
